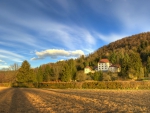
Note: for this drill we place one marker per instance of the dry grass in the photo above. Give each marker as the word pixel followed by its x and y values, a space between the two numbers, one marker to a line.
pixel 75 101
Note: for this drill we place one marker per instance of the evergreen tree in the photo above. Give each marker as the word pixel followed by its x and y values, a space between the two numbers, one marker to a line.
pixel 113 58
pixel 23 74
pixel 66 74
pixel 73 70
pixel 98 76
pixel 40 74
pixel 148 64
pixel 46 74
pixel 135 66
pixel 32 76
pixel 52 75
pixel 124 62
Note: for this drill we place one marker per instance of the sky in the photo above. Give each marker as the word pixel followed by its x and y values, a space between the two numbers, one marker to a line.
pixel 45 31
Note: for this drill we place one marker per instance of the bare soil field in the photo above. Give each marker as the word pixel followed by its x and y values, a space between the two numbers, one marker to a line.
pixel 30 100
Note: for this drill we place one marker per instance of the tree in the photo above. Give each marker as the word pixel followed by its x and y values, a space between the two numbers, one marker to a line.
pixel 113 58
pixel 40 74
pixel 73 70
pixel 80 76
pixel 66 74
pixel 56 71
pixel 148 64
pixel 46 74
pixel 135 66
pixel 14 67
pixel 97 76
pixel 124 62
pixel 32 76
pixel 25 74
pixel 106 77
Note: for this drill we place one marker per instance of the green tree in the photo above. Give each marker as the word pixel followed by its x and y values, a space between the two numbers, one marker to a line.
pixel 97 76
pixel 40 74
pixel 124 62
pixel 23 74
pixel 113 58
pixel 32 76
pixel 46 74
pixel 148 64
pixel 136 66
pixel 56 71
pixel 73 70
pixel 66 74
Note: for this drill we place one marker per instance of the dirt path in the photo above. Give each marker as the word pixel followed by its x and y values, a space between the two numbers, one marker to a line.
pixel 26 100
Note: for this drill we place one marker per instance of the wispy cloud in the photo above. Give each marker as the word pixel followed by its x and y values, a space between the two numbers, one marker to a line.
pixel 11 56
pixel 66 26
pixel 54 53
pixel 1 61
pixel 110 37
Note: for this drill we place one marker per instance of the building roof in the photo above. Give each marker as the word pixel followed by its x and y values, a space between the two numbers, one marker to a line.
pixel 104 61
pixel 115 65
pixel 88 67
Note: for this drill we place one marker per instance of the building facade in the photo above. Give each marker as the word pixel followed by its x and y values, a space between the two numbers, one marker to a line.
pixel 87 70
pixel 114 68
pixel 103 65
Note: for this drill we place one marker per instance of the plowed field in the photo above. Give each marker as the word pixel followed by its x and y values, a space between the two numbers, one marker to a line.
pixel 22 100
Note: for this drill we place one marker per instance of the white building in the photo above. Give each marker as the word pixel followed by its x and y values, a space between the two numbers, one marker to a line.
pixel 103 65
pixel 87 70
pixel 114 68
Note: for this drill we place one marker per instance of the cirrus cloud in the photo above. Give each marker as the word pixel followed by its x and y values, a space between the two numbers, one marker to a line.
pixel 54 53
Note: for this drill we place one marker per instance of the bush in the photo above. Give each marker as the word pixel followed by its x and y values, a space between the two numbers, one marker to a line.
pixel 5 84
pixel 117 85
pixel 61 85
pixel 85 85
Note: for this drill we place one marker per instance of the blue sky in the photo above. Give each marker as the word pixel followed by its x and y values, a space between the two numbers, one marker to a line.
pixel 43 31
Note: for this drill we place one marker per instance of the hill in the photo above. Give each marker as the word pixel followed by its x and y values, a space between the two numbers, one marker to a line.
pixel 139 43
pixel 132 53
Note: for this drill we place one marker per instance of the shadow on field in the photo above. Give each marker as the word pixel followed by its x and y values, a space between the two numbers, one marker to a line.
pixel 4 90
pixel 20 103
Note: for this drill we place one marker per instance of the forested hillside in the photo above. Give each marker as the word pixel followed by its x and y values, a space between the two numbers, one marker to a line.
pixel 139 43
pixel 132 53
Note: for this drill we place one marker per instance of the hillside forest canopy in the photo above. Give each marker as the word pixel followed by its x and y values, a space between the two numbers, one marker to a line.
pixel 131 53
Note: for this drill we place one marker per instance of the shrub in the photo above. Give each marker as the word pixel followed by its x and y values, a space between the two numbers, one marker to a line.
pixel 86 85
pixel 5 84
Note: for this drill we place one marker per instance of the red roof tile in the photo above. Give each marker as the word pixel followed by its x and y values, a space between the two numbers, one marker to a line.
pixel 104 61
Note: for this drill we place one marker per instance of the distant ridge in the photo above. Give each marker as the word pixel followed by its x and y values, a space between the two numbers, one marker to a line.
pixel 139 43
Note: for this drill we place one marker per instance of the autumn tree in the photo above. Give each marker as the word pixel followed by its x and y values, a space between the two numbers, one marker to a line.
pixel 80 76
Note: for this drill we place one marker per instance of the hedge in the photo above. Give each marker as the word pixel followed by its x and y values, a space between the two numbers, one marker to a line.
pixel 84 85
pixel 97 85
pixel 60 85
pixel 5 84
pixel 117 85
